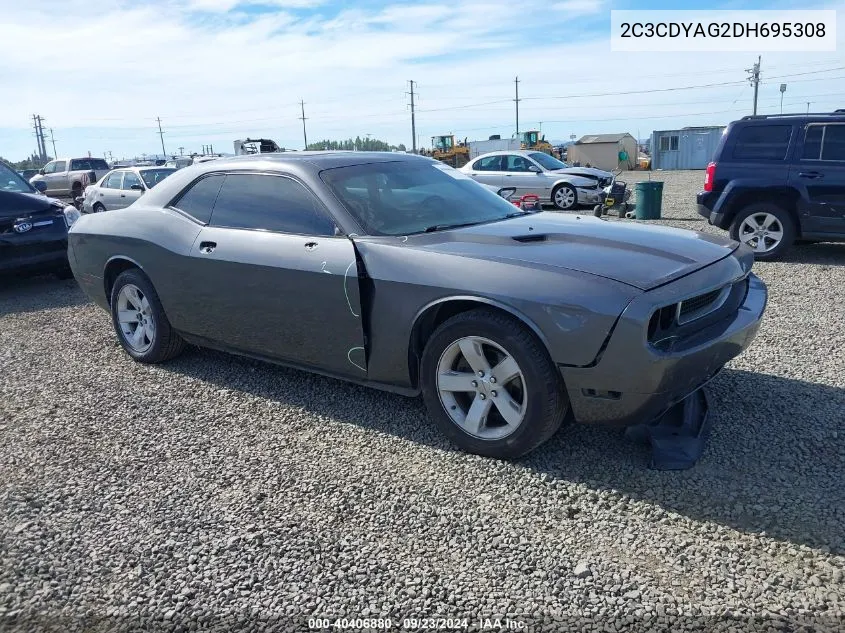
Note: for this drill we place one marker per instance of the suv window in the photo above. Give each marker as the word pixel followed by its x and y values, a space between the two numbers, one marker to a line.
pixel 97 164
pixel 271 203
pixel 129 179
pixel 491 163
pixel 112 181
pixel 49 168
pixel 824 142
pixel 58 166
pixel 762 142
pixel 199 199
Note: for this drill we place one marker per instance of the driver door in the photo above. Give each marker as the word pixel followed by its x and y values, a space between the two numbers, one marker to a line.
pixel 488 170
pixel 518 174
pixel 269 276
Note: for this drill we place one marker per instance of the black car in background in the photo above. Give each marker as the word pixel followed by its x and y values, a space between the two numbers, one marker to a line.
pixel 779 179
pixel 33 228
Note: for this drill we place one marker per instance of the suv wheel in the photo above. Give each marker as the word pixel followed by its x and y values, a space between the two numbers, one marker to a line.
pixel 765 227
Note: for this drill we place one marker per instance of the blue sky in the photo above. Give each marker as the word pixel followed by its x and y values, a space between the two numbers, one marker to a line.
pixel 218 70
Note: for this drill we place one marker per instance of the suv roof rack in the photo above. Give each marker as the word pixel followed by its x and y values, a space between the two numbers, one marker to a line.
pixel 752 117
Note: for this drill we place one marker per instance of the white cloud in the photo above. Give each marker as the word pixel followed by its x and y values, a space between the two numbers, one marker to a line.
pixel 230 75
pixel 223 6
pixel 573 8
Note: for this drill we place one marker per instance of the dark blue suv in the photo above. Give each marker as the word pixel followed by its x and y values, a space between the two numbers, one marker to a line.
pixel 779 179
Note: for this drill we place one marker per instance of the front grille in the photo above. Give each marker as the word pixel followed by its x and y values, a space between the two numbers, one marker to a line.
pixel 698 306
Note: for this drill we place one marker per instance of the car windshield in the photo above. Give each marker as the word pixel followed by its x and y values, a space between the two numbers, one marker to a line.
pixel 405 197
pixel 152 177
pixel 548 162
pixel 10 180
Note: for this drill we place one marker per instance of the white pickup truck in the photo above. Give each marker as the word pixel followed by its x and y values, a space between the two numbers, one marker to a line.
pixel 68 177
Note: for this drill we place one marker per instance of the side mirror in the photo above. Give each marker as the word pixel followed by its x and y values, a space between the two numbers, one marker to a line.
pixel 40 186
pixel 41 172
pixel 535 169
pixel 137 188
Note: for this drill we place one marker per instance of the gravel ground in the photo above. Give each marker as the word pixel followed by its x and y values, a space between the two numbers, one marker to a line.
pixel 220 493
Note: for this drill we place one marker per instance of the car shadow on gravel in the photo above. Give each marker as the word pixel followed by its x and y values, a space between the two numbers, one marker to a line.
pixel 43 292
pixel 821 254
pixel 775 460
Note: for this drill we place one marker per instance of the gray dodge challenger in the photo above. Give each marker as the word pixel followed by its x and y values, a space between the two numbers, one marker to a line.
pixel 398 272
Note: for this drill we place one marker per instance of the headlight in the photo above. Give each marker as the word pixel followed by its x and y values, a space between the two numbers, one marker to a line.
pixel 71 215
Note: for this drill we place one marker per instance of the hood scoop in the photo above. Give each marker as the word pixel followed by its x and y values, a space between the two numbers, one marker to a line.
pixel 531 237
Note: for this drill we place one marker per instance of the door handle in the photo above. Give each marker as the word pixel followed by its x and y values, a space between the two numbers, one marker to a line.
pixel 102 195
pixel 123 195
pixel 310 246
pixel 810 174
pixel 207 247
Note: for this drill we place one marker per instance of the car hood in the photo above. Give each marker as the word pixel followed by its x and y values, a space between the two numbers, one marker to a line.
pixel 589 172
pixel 642 256
pixel 14 204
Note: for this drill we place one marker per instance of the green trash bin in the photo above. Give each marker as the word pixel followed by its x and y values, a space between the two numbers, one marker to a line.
pixel 649 200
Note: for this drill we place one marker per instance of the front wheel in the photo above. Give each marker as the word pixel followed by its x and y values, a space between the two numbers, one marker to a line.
pixel 766 228
pixel 565 197
pixel 139 320
pixel 490 386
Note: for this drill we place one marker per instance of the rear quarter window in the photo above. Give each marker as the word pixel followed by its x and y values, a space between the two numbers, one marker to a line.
pixel 762 142
pixel 198 200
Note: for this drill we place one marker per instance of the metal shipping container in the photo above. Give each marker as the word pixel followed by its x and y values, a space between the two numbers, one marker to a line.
pixel 687 148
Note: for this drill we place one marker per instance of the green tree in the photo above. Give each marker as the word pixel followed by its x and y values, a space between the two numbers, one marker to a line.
pixel 364 145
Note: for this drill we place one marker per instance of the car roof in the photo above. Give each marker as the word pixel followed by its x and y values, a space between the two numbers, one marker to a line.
pixel 299 164
pixel 503 152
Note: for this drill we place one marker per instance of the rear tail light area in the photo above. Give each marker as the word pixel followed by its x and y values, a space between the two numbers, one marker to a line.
pixel 709 177
pixel 71 215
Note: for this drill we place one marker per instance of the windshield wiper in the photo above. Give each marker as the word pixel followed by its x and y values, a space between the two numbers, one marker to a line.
pixel 517 213
pixel 444 227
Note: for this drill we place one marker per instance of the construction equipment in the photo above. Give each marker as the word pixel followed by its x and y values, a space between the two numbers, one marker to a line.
pixel 446 150
pixel 534 141
pixel 256 146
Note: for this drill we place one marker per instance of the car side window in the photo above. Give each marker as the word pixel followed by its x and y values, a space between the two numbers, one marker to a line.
pixel 198 200
pixel 833 146
pixel 270 203
pixel 515 162
pixel 130 179
pixel 49 168
pixel 112 181
pixel 762 142
pixel 812 142
pixel 490 163
pixel 59 165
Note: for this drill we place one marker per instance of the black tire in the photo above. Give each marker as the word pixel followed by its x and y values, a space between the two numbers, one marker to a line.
pixel 784 219
pixel 598 210
pixel 547 402
pixel 165 343
pixel 98 208
pixel 574 197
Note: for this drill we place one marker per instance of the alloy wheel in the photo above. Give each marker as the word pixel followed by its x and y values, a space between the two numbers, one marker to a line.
pixel 482 388
pixel 761 231
pixel 564 197
pixel 134 315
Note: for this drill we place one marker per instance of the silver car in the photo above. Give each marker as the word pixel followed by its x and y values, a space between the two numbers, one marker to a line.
pixel 121 187
pixel 534 172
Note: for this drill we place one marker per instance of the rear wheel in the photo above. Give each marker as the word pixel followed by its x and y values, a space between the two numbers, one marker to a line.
pixel 490 386
pixel 565 197
pixel 139 320
pixel 766 228
pixel 98 208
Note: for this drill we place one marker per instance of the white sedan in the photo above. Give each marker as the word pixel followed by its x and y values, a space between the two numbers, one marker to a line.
pixel 545 176
pixel 121 187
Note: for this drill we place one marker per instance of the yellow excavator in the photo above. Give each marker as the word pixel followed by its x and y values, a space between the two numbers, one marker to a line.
pixel 445 149
pixel 532 140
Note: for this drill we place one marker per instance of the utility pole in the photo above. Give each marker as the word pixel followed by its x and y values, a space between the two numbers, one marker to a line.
pixel 413 122
pixel 516 101
pixel 754 80
pixel 161 135
pixel 304 135
pixel 808 107
pixel 39 136
pixel 782 90
pixel 211 149
pixel 181 151
pixel 53 141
